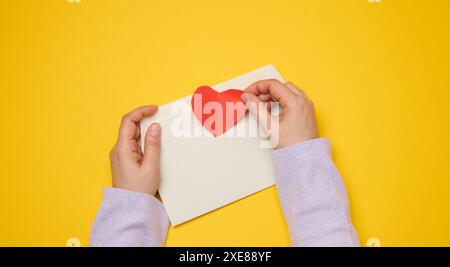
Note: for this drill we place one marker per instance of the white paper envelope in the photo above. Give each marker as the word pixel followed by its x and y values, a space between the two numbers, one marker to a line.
pixel 201 174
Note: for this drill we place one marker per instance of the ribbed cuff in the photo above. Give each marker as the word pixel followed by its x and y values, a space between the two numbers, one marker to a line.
pixel 314 149
pixel 288 160
pixel 135 202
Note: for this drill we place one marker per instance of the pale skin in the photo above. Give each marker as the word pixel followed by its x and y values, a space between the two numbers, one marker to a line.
pixel 136 171
pixel 131 169
pixel 297 120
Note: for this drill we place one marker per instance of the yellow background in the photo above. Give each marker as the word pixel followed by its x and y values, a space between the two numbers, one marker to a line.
pixel 377 72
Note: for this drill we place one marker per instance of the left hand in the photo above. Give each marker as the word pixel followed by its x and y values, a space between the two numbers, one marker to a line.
pixel 131 169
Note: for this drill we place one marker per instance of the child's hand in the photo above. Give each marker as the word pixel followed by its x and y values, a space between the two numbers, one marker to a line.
pixel 131 169
pixel 297 119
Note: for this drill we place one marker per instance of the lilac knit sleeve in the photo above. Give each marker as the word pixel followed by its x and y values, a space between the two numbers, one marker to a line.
pixel 313 196
pixel 129 218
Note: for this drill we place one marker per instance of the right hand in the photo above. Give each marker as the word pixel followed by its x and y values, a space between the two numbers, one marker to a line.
pixel 297 121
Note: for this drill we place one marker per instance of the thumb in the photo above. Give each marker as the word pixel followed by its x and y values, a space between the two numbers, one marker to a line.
pixel 258 110
pixel 152 149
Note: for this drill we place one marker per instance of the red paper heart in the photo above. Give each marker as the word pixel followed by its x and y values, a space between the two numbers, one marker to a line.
pixel 218 112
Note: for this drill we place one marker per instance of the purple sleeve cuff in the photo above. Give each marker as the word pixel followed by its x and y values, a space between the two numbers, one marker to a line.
pixel 129 218
pixel 313 196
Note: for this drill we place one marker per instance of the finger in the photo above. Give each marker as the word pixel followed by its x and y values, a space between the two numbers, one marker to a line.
pixel 265 97
pixel 152 149
pixel 137 149
pixel 137 134
pixel 258 110
pixel 294 89
pixel 275 88
pixel 129 124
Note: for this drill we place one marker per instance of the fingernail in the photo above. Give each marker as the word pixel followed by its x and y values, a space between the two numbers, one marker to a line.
pixel 246 98
pixel 155 130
